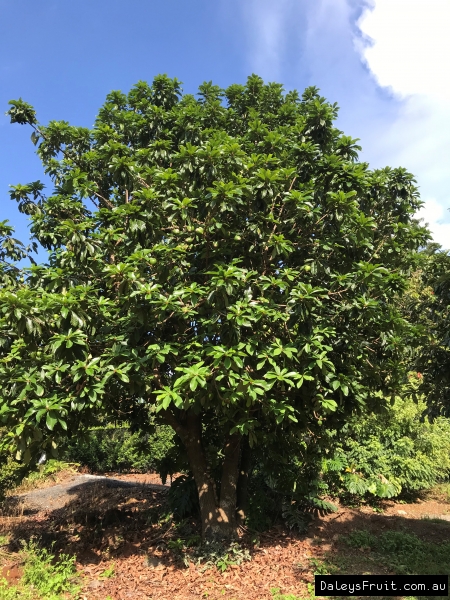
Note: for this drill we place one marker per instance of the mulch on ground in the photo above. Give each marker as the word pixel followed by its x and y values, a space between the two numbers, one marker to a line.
pixel 107 526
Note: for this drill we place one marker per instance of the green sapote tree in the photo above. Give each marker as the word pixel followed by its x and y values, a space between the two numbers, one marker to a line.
pixel 427 305
pixel 223 262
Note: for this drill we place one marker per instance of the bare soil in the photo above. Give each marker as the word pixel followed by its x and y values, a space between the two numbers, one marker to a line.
pixel 112 521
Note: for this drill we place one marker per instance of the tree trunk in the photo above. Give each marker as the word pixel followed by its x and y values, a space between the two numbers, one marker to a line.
pixel 228 484
pixel 218 517
pixel 242 487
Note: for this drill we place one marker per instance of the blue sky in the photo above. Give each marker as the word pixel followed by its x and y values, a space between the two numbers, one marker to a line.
pixel 384 61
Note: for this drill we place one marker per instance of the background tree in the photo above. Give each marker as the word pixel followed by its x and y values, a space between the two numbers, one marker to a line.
pixel 427 305
pixel 224 262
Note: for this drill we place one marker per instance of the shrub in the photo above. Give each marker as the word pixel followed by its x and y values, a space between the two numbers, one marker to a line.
pixel 11 474
pixel 375 456
pixel 183 497
pixel 389 454
pixel 109 449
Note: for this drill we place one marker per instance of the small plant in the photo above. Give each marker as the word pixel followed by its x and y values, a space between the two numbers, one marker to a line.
pixel 11 473
pixel 360 539
pixel 295 518
pixel 216 554
pixel 320 568
pixel 43 576
pixel 108 573
pixel 223 563
pixel 183 497
pixel 176 545
pixel 180 545
pixel 277 596
pixel 12 592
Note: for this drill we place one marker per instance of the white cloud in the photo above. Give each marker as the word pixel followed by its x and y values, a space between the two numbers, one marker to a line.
pixel 411 45
pixel 409 53
pixel 433 215
pixel 396 99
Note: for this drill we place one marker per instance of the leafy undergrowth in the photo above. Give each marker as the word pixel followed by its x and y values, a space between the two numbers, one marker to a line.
pixel 390 552
pixel 46 475
pixel 440 492
pixel 128 545
pixel 403 552
pixel 42 576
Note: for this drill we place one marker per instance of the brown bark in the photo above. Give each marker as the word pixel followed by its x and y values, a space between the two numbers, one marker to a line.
pixel 242 487
pixel 228 484
pixel 218 518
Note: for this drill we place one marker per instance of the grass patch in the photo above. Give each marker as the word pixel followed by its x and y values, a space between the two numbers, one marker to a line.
pixel 46 473
pixel 397 552
pixel 440 492
pixel 44 576
pixel 403 553
pixel 277 596
pixel 431 519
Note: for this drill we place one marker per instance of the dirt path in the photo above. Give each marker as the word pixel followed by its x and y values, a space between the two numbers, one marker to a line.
pixel 59 495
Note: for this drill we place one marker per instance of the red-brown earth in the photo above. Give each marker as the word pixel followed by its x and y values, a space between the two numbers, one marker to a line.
pixel 115 529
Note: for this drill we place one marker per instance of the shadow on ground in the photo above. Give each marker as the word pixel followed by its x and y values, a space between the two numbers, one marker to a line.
pixel 87 517
pixel 129 527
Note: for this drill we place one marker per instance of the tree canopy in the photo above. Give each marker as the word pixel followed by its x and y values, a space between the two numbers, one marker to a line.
pixel 427 305
pixel 223 261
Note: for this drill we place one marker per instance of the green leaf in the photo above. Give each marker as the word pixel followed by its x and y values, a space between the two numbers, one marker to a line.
pixel 51 420
pixel 329 405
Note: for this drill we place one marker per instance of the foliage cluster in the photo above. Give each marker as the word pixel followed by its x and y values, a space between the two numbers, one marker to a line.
pixel 183 497
pixel 210 554
pixel 11 473
pixel 104 449
pixel 44 576
pixel 387 454
pixel 427 304
pixel 34 475
pixel 14 473
pixel 374 456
